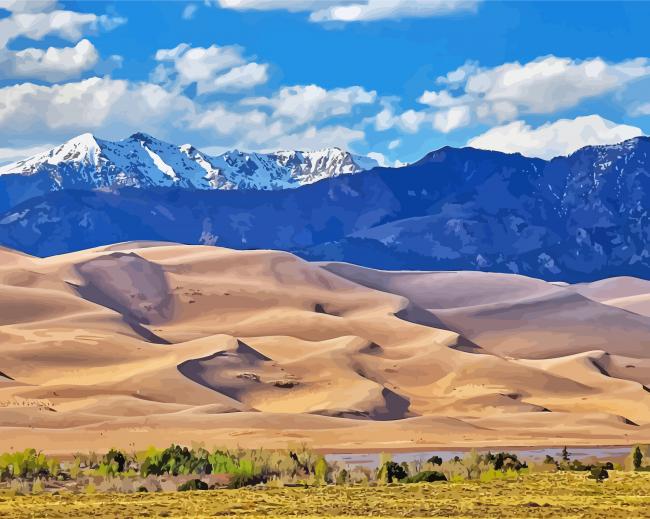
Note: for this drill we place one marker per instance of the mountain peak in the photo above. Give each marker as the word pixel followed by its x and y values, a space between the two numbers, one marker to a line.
pixel 142 160
pixel 141 137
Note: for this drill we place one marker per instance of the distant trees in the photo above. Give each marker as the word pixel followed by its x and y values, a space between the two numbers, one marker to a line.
pixel 565 454
pixel 390 472
pixel 637 458
pixel 599 473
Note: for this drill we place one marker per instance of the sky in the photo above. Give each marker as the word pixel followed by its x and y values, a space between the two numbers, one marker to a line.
pixel 393 79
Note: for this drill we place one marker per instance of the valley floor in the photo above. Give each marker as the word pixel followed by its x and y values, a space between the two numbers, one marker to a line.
pixel 561 494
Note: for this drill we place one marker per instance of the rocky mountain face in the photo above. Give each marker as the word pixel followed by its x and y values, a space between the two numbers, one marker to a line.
pixel 573 218
pixel 141 161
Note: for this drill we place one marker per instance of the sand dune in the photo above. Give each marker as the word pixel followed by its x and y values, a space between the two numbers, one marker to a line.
pixel 141 343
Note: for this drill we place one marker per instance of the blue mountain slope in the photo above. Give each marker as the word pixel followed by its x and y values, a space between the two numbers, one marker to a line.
pixel 574 218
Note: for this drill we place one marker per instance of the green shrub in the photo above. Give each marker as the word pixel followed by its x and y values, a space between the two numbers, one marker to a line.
pixel 426 476
pixel 27 464
pixel 600 474
pixel 321 470
pixel 637 458
pixel 193 484
pixel 390 472
pixel 176 460
pixel 343 477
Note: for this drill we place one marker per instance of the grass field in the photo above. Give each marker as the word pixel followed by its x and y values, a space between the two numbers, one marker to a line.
pixel 561 494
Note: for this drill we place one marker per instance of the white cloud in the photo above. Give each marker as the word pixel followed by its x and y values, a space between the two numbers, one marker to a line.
pixel 309 103
pixel 200 64
pixel 408 121
pixel 549 140
pixel 442 99
pixel 28 6
pixel 640 109
pixel 51 64
pixel 114 107
pixel 451 119
pixel 189 11
pixel 38 19
pixel 394 144
pixel 380 158
pixel 371 10
pixel 68 25
pixel 313 138
pixel 542 86
pixel 9 155
pixel 213 68
pixel 33 114
pixel 358 10
pixel 241 78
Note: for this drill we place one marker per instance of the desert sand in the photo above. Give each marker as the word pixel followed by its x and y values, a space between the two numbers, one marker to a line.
pixel 142 344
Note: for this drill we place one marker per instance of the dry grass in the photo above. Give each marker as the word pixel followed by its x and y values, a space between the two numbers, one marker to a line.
pixel 560 494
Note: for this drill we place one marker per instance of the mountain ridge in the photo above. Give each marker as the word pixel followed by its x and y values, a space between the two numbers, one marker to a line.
pixel 142 161
pixel 575 218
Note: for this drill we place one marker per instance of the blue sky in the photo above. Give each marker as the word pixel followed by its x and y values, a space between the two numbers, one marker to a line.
pixel 393 78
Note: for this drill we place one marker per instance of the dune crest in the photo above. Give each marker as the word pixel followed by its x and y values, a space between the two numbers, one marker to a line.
pixel 157 342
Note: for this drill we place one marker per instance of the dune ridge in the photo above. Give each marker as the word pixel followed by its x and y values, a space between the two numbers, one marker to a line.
pixel 147 343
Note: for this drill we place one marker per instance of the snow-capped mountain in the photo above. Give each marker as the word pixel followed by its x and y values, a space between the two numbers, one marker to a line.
pixel 575 218
pixel 141 161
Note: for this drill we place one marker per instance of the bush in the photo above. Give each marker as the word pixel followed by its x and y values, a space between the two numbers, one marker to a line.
pixel 637 458
pixel 27 464
pixel 112 464
pixel 426 476
pixel 343 477
pixel 193 484
pixel 176 460
pixel 600 474
pixel 504 461
pixel 390 472
pixel 321 470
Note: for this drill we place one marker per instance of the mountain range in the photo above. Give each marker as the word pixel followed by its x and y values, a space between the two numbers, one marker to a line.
pixel 141 161
pixel 573 218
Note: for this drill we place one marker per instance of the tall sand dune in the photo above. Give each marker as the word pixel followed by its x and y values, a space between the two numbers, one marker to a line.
pixel 148 343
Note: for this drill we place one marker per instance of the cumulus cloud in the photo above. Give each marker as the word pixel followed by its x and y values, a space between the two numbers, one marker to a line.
pixel 358 10
pixel 31 114
pixel 371 10
pixel 28 6
pixel 452 118
pixel 305 103
pixel 9 155
pixel 549 140
pixel 241 78
pixel 380 158
pixel 110 105
pixel 189 11
pixel 212 69
pixel 37 19
pixel 542 86
pixel 408 121
pixel 51 64
pixel 68 25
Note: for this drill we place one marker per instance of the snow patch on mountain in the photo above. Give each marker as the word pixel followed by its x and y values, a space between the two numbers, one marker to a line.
pixel 86 162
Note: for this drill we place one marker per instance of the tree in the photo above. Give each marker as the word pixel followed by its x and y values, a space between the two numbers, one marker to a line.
pixel 193 484
pixel 391 471
pixel 565 454
pixel 600 474
pixel 321 470
pixel 637 458
pixel 435 460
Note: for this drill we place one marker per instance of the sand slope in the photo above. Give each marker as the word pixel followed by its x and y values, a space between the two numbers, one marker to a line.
pixel 147 343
